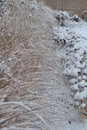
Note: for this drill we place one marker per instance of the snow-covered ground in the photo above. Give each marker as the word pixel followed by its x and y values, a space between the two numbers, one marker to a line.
pixel 71 32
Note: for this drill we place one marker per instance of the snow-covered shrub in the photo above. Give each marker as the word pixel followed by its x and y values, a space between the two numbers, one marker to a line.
pixel 74 54
pixel 76 18
pixel 61 17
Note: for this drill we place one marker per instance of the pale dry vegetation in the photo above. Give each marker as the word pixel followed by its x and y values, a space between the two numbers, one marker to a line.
pixel 18 67
pixel 23 67
pixel 32 89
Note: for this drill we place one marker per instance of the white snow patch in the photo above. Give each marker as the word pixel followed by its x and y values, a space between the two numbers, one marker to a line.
pixel 72 34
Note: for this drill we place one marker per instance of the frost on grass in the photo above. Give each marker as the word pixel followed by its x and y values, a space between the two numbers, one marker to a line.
pixel 71 33
pixel 26 66
pixel 19 69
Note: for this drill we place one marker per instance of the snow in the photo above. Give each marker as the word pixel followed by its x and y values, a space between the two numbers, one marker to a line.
pixel 71 32
pixel 81 95
pixel 74 87
pixel 82 83
pixel 73 81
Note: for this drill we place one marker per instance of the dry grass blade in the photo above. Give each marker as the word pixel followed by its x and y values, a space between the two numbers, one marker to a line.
pixel 2 122
pixel 27 108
